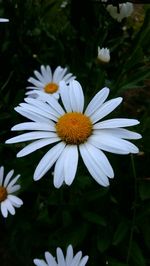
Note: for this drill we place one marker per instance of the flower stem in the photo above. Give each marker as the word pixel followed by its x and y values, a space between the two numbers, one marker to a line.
pixel 134 210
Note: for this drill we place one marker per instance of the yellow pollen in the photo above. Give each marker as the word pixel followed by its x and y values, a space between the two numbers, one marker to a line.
pixel 3 193
pixel 74 128
pixel 51 88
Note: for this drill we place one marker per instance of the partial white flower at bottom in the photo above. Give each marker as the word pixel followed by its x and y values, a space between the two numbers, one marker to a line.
pixel 103 55
pixel 74 131
pixel 8 201
pixel 4 20
pixel 61 260
pixel 125 10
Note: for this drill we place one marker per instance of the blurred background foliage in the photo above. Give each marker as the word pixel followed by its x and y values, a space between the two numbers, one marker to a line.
pixel 111 225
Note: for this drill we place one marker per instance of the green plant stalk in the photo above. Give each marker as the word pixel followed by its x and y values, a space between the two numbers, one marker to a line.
pixel 134 210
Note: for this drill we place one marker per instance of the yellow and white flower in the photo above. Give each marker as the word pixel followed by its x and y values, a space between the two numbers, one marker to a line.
pixel 8 186
pixel 103 55
pixel 48 82
pixel 61 260
pixel 74 132
pixel 125 10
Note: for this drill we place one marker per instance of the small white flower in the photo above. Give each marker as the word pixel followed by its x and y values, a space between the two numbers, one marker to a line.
pixel 60 260
pixel 4 20
pixel 125 10
pixel 7 187
pixel 103 55
pixel 74 131
pixel 48 82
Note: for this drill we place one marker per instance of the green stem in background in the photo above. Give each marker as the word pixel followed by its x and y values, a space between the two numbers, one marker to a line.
pixel 134 210
pixel 3 87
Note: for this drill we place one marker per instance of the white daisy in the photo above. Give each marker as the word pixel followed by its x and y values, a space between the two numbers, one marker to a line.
pixel 7 187
pixel 4 20
pixel 125 10
pixel 75 132
pixel 103 55
pixel 48 82
pixel 69 260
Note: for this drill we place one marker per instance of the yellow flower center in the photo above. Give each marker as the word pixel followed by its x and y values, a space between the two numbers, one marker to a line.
pixel 74 128
pixel 3 193
pixel 51 88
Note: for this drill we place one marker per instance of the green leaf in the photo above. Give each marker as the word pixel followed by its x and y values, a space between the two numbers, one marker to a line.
pixel 121 232
pixel 94 218
pixel 136 255
pixel 144 190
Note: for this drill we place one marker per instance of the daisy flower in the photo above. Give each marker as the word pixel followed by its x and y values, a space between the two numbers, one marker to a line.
pixel 125 10
pixel 48 82
pixel 4 20
pixel 7 187
pixel 69 260
pixel 74 131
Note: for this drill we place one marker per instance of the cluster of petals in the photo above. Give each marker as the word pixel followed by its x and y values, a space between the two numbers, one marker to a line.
pixel 103 54
pixel 108 135
pixel 125 10
pixel 8 186
pixel 69 260
pixel 46 77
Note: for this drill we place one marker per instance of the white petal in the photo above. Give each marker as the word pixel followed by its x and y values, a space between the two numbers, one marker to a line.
pixel 76 259
pixel 34 126
pixel 35 82
pixel 57 74
pixel 15 200
pixel 47 73
pixel 43 105
pixel 8 177
pixel 105 109
pixel 97 101
pixel 59 170
pixel 76 96
pixel 32 116
pixel 31 136
pixel 38 144
pixel 114 142
pixel 13 181
pixel 69 255
pixel 38 262
pixel 83 261
pixel 40 77
pixel 56 107
pixel 48 160
pixel 1 175
pixel 50 259
pixel 64 93
pixel 13 189
pixel 61 74
pixel 10 207
pixel 70 163
pixel 119 133
pixel 60 257
pixel 98 142
pixel 100 158
pixel 116 122
pixel 36 110
pixel 4 209
pixel 93 167
pixel 68 77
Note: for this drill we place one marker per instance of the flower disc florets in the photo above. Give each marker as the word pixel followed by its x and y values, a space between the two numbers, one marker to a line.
pixel 74 128
pixel 51 88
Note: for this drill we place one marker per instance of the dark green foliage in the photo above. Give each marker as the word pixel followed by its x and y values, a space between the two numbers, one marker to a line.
pixel 108 224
